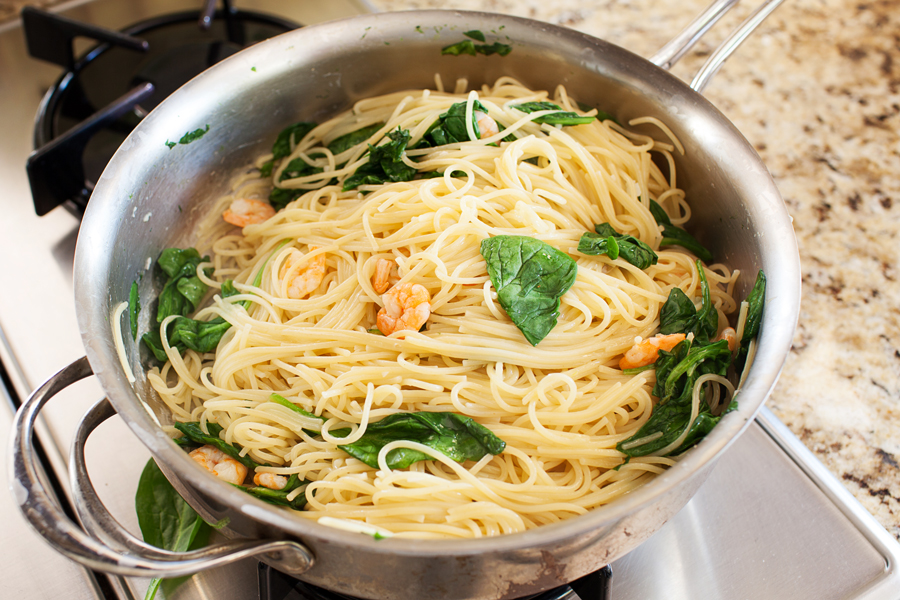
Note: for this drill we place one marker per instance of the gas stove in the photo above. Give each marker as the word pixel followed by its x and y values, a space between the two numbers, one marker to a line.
pixel 770 522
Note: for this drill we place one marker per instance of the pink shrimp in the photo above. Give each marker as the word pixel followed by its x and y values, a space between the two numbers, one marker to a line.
pixel 646 352
pixel 243 212
pixel 486 125
pixel 384 269
pixel 270 480
pixel 305 279
pixel 407 306
pixel 220 464
pixel 731 335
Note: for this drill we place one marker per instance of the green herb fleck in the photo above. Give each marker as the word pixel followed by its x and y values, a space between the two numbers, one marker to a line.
pixel 475 35
pixel 193 136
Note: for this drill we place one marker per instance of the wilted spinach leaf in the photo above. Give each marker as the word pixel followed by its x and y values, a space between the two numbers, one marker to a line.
pixel 677 372
pixel 678 314
pixel 300 168
pixel 194 433
pixel 289 137
pixel 281 197
pixel 450 128
pixel 475 35
pixel 134 309
pixel 354 138
pixel 530 277
pixel 675 236
pixel 456 436
pixel 385 163
pixel 472 49
pixel 193 136
pixel 558 118
pixel 166 520
pixel 755 301
pixel 608 241
pixel 280 497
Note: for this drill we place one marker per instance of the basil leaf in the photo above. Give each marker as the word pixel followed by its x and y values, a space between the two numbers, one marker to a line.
pixel 165 519
pixel 289 137
pixel 354 138
pixel 530 277
pixel 678 314
pixel 195 434
pixel 385 163
pixel 134 308
pixel 456 436
pixel 608 241
pixel 675 236
pixel 558 118
pixel 279 497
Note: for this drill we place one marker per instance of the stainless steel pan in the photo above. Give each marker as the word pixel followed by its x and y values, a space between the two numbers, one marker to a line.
pixel 149 198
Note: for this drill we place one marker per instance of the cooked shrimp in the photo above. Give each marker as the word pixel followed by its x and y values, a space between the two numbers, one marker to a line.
pixel 647 351
pixel 486 125
pixel 382 279
pixel 243 212
pixel 731 335
pixel 220 464
pixel 303 280
pixel 270 480
pixel 406 307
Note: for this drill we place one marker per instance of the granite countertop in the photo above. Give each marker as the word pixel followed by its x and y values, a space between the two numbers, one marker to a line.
pixel 817 91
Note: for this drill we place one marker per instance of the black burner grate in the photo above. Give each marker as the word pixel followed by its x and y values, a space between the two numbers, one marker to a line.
pixel 103 95
pixel 275 585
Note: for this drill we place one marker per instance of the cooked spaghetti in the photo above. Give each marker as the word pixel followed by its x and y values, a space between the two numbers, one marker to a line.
pixel 309 330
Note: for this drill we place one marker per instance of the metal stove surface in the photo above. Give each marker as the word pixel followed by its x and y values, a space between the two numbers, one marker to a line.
pixel 770 522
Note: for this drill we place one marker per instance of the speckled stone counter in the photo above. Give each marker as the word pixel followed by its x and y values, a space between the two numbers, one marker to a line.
pixel 817 91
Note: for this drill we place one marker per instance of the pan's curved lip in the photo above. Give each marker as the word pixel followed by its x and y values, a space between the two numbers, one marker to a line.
pixel 783 298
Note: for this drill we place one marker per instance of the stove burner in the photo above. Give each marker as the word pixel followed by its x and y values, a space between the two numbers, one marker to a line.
pixel 275 585
pixel 103 95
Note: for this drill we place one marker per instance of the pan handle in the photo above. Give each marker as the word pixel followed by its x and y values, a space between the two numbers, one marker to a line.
pixel 104 545
pixel 678 46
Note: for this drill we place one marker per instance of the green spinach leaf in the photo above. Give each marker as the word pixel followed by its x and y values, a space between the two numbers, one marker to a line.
pixel 558 118
pixel 183 291
pixel 385 163
pixel 456 436
pixel 194 433
pixel 608 241
pixel 281 197
pixel 193 136
pixel 450 128
pixel 530 277
pixel 289 137
pixel 475 35
pixel 354 138
pixel 166 520
pixel 134 309
pixel 300 168
pixel 473 49
pixel 755 301
pixel 677 372
pixel 678 314
pixel 280 497
pixel 675 236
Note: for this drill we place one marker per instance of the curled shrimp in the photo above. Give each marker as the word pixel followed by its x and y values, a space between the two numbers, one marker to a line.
pixel 381 281
pixel 486 125
pixel 243 212
pixel 219 464
pixel 731 335
pixel 646 352
pixel 407 306
pixel 303 280
pixel 270 480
